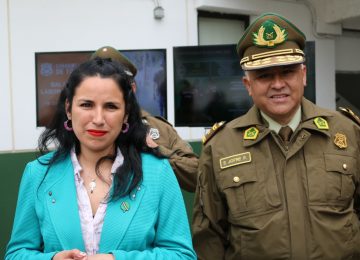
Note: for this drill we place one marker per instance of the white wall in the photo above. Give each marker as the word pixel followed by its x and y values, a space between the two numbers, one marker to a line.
pixel 5 100
pixel 73 25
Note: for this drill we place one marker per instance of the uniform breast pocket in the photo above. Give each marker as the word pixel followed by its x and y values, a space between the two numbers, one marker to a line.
pixel 247 191
pixel 339 177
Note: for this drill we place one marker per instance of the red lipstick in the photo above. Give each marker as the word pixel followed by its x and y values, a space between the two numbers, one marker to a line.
pixel 96 132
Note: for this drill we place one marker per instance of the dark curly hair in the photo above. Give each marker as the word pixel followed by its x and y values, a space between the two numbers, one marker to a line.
pixel 131 143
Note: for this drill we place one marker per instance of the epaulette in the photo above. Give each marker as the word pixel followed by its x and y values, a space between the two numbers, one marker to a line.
pixel 213 130
pixel 350 114
pixel 163 119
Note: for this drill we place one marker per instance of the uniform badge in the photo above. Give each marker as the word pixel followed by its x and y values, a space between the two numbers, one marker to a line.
pixel 321 123
pixel 251 133
pixel 154 133
pixel 235 159
pixel 269 35
pixel 340 140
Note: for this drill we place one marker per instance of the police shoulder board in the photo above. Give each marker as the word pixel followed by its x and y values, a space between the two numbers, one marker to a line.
pixel 350 114
pixel 213 130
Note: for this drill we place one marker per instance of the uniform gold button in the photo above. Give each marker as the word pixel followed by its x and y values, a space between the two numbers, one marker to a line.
pixel 345 166
pixel 236 179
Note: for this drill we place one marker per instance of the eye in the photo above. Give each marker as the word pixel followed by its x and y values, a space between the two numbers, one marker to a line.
pixel 111 106
pixel 86 104
pixel 287 71
pixel 263 76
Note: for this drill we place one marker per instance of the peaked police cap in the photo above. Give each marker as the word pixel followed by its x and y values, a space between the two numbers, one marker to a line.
pixel 108 52
pixel 271 40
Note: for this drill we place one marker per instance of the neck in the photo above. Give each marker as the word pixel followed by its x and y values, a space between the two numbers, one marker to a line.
pixel 89 158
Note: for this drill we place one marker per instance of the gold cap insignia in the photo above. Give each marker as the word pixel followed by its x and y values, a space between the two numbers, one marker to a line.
pixel 340 140
pixel 269 35
pixel 251 133
pixel 321 123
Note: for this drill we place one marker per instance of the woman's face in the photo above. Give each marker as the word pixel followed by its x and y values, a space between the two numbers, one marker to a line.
pixel 97 114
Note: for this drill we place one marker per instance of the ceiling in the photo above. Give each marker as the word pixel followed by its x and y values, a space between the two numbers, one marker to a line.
pixel 343 14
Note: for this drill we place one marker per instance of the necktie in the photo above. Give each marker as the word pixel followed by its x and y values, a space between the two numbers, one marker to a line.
pixel 285 134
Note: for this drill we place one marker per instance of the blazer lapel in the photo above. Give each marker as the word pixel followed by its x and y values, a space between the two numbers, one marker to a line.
pixel 119 215
pixel 62 205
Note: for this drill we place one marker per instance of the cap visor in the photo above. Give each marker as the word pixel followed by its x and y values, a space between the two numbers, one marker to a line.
pixel 273 61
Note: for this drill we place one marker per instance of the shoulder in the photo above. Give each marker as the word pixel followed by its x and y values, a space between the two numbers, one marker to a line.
pixel 157 121
pixel 153 120
pixel 40 164
pixel 34 173
pixel 215 129
pixel 155 169
pixel 349 114
pixel 153 164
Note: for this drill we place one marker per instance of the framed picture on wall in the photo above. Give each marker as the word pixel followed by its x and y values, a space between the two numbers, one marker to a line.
pixel 54 68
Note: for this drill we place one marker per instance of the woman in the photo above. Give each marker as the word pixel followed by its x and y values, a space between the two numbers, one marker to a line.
pixel 101 194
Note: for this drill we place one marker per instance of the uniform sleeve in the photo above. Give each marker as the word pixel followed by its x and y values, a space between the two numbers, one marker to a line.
pixel 357 181
pixel 182 159
pixel 173 239
pixel 26 239
pixel 209 216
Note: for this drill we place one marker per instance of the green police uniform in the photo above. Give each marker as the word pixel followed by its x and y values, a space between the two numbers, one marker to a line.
pixel 181 156
pixel 259 198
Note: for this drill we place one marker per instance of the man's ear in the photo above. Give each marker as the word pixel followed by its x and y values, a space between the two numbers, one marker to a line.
pixel 246 83
pixel 67 109
pixel 303 67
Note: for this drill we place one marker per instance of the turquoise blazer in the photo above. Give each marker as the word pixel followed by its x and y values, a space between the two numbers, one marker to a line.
pixel 152 225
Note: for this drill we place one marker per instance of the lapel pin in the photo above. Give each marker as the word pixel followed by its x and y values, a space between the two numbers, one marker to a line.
pixel 125 206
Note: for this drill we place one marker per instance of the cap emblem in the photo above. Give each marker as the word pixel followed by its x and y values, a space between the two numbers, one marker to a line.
pixel 269 35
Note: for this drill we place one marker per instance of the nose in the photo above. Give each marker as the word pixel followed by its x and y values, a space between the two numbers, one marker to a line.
pixel 278 81
pixel 98 117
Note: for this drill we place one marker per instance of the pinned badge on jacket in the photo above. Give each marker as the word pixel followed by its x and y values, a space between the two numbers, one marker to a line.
pixel 251 133
pixel 154 133
pixel 340 140
pixel 125 206
pixel 321 123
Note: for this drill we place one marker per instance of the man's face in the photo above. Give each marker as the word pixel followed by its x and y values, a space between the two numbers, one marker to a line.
pixel 277 91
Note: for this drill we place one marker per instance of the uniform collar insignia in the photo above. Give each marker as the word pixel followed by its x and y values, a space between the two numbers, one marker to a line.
pixel 154 133
pixel 269 35
pixel 340 140
pixel 321 123
pixel 251 133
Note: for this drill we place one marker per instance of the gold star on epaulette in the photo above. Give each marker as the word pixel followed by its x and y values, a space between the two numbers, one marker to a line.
pixel 350 114
pixel 214 129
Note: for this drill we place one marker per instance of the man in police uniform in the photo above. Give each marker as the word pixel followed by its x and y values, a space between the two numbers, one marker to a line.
pixel 162 135
pixel 267 191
